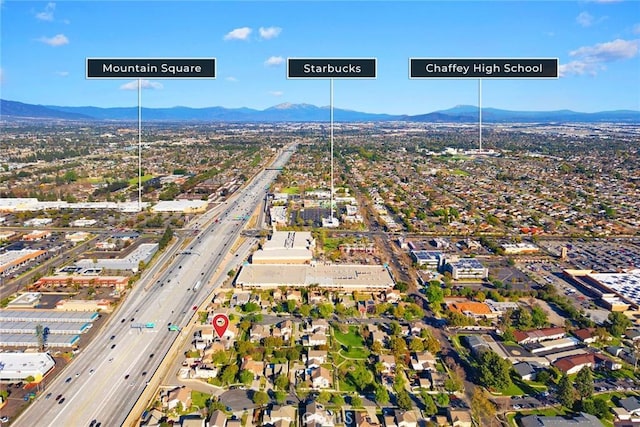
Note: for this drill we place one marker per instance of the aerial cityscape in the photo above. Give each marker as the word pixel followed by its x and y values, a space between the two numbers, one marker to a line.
pixel 320 214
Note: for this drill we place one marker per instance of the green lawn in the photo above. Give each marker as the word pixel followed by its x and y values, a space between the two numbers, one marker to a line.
pixel 355 353
pixel 345 386
pixel 352 338
pixel 145 178
pixel 459 172
pixel 199 399
pixel 291 190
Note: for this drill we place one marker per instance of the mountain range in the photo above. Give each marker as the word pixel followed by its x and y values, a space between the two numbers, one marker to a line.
pixel 303 113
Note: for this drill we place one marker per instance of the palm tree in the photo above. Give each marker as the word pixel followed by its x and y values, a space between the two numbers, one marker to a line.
pixel 40 336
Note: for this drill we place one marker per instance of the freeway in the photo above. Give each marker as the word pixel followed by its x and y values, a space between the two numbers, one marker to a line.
pixel 108 376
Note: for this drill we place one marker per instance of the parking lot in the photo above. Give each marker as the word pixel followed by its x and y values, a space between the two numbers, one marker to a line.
pixel 601 255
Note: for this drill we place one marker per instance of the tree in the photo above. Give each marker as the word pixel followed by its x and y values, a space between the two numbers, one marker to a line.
pixel 356 401
pixel 584 382
pixel 523 319
pixel 494 371
pixel 324 397
pixel 416 344
pixel 228 374
pixel 566 393
pixel 442 399
pixel 482 409
pixel 404 400
pixel 337 400
pixel 40 336
pixel 382 395
pixel 282 382
pixel 245 377
pixel 430 407
pixel 538 317
pixel 434 294
pixel 260 398
pixel 280 397
pixel 618 323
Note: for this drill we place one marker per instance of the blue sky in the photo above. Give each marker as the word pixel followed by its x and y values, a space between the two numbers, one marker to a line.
pixel 44 46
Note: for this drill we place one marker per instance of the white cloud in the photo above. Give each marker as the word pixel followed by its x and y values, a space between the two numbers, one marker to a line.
pixel 584 19
pixel 591 59
pixel 269 32
pixel 231 79
pixel 57 40
pixel 609 51
pixel 238 34
pixel 274 61
pixel 145 84
pixel 47 13
pixel 276 93
pixel 62 73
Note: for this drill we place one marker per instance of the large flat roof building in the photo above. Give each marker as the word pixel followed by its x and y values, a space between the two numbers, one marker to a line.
pixel 143 253
pixel 19 366
pixel 286 247
pixel 12 260
pixel 467 269
pixel 325 276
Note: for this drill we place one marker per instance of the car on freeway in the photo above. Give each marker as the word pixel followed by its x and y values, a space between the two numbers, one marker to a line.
pixel 126 377
pixel 60 401
pixel 68 380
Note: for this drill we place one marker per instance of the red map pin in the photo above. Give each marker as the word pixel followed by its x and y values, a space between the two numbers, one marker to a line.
pixel 220 324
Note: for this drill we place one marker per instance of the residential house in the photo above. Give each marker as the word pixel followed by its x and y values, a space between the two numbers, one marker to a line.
pixel 388 362
pixel 316 358
pixel 202 371
pixel 459 417
pixel 273 370
pixel 179 395
pixel 280 416
pixel 362 419
pixel 314 340
pixel 437 379
pixel 321 378
pixel 253 366
pixel 218 419
pixel 423 361
pixel 320 326
pixel 406 419
pixel 258 332
pixel 317 416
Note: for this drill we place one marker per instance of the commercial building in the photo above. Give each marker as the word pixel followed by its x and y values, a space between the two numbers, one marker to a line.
pixel 582 420
pixel 466 269
pixel 10 261
pixel 119 283
pixel 20 366
pixel 431 259
pixel 519 248
pixel 286 247
pixel 617 291
pixel 182 206
pixel 143 253
pixel 346 278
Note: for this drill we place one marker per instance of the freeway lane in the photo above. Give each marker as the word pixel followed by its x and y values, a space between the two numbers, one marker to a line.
pixel 110 374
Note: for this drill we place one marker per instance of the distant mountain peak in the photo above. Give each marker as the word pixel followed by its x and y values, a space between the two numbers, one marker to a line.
pixel 289 112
